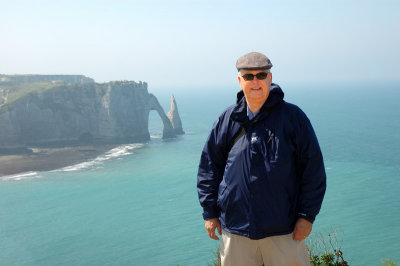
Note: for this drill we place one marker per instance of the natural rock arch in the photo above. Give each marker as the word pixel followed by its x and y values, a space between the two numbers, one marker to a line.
pixel 168 130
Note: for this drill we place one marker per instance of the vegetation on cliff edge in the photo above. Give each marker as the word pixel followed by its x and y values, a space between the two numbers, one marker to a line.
pixel 324 251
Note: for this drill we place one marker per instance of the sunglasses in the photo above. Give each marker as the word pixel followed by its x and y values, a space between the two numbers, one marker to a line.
pixel 259 76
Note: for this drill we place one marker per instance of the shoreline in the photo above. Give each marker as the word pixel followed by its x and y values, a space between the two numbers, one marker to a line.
pixel 48 159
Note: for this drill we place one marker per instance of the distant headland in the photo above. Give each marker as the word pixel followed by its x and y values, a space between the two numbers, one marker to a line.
pixel 47 110
pixel 58 111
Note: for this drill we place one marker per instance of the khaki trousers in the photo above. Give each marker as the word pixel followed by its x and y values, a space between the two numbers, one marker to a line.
pixel 270 251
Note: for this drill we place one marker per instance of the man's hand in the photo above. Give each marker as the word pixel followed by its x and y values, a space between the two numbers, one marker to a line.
pixel 302 229
pixel 210 225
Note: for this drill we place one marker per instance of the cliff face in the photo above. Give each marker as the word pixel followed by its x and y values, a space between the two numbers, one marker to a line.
pixel 78 113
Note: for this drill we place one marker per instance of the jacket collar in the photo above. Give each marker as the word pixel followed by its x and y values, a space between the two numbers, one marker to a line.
pixel 239 113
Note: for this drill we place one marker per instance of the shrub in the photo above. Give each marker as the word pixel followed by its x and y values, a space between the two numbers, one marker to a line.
pixel 325 252
pixel 389 263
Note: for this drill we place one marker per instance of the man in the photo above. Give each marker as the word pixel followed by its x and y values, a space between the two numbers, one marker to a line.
pixel 261 178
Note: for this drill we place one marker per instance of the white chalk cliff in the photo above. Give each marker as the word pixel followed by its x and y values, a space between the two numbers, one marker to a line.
pixel 76 110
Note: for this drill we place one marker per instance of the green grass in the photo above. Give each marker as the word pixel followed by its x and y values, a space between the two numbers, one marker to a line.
pixel 14 91
pixel 389 263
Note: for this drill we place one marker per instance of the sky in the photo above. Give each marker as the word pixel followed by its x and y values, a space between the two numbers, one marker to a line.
pixel 196 43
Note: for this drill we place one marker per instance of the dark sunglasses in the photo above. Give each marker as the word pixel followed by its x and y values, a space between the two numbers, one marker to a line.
pixel 259 76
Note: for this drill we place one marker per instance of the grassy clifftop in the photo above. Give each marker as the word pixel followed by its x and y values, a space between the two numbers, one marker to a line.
pixel 12 92
pixel 13 87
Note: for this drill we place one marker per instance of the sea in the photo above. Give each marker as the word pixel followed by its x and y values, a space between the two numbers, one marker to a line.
pixel 137 204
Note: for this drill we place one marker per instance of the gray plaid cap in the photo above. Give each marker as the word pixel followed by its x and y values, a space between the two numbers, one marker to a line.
pixel 253 61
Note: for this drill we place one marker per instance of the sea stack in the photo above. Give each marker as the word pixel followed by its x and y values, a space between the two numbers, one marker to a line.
pixel 173 116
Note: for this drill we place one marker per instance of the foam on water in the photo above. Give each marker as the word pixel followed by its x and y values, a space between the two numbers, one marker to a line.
pixel 156 136
pixel 117 152
pixel 21 176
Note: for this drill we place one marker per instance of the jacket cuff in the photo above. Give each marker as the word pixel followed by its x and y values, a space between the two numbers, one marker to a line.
pixel 210 213
pixel 306 216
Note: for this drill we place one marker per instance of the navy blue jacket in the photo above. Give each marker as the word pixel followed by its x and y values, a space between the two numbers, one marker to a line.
pixel 272 175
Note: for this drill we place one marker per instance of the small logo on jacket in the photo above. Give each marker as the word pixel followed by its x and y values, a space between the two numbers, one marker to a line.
pixel 254 139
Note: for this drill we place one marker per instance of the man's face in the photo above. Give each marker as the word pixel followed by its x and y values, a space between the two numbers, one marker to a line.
pixel 256 91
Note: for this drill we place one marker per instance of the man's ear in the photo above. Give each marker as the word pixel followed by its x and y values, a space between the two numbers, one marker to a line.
pixel 240 82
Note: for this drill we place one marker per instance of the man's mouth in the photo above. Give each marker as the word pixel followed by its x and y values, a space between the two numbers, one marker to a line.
pixel 256 89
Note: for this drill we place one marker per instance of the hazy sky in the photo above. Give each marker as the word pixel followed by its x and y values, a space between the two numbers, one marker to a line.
pixel 195 43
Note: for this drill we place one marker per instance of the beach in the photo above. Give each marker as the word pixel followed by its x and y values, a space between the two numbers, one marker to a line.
pixel 47 159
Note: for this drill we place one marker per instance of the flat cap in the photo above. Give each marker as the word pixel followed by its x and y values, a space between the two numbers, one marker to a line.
pixel 253 60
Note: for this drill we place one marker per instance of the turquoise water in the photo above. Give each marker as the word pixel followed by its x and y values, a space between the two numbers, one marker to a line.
pixel 137 204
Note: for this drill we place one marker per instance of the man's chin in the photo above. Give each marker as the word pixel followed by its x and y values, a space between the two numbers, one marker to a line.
pixel 257 94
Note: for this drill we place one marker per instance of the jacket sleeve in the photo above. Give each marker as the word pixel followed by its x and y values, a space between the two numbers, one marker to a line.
pixel 310 169
pixel 211 170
